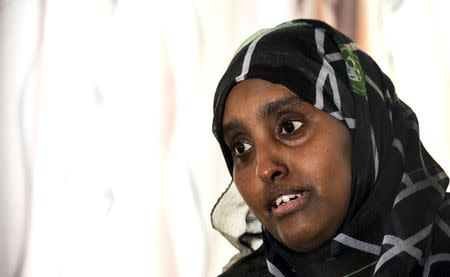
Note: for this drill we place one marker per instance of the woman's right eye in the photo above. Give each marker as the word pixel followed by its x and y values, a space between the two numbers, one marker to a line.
pixel 241 147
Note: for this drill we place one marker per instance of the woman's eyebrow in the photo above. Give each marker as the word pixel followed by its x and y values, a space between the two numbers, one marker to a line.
pixel 267 110
pixel 278 105
pixel 231 126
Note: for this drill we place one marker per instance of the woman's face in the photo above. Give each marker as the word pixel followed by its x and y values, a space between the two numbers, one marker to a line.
pixel 292 163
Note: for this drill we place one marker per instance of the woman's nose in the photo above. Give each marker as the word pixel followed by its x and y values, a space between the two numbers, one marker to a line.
pixel 270 165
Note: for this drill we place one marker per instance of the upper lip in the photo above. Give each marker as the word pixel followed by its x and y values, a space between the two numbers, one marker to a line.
pixel 273 194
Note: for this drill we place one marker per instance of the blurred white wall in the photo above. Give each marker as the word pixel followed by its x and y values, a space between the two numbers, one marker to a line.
pixel 109 166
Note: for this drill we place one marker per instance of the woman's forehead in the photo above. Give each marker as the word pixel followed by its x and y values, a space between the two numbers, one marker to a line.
pixel 259 97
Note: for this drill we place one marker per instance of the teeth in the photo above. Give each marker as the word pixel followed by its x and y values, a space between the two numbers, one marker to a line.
pixel 286 198
pixel 278 201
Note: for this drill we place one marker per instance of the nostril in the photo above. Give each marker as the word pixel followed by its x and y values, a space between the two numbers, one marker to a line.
pixel 275 174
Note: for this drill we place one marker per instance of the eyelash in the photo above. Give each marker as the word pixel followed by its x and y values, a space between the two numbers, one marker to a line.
pixel 282 125
pixel 235 145
pixel 279 135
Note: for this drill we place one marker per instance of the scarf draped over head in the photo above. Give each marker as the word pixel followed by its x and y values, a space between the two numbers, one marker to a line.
pixel 399 212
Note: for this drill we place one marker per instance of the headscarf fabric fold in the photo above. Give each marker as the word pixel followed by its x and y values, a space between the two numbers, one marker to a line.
pixel 398 222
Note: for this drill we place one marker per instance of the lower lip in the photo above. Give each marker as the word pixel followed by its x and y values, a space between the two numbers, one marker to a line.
pixel 291 206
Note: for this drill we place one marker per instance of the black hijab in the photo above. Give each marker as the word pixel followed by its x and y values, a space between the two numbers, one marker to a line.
pixel 399 216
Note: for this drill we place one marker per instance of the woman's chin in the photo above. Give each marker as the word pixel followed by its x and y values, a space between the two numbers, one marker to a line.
pixel 301 239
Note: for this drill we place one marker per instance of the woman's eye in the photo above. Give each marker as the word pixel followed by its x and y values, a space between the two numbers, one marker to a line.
pixel 241 147
pixel 290 126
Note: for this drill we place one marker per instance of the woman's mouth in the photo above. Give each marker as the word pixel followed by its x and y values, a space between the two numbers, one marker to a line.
pixel 289 203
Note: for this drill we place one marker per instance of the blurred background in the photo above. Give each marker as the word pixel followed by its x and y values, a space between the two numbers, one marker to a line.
pixel 108 166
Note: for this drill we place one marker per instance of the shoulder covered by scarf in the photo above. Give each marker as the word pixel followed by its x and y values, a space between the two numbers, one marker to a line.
pixel 398 222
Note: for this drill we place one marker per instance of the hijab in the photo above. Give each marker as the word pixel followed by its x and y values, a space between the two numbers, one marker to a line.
pixel 398 223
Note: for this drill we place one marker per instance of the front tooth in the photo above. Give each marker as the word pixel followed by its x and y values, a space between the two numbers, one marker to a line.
pixel 278 201
pixel 285 198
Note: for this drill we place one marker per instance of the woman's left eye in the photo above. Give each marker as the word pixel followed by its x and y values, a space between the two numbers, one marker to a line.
pixel 290 126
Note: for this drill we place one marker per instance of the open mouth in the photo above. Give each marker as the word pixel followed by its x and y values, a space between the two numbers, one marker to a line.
pixel 289 203
pixel 286 198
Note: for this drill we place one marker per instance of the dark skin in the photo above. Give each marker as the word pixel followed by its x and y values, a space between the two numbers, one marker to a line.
pixel 282 145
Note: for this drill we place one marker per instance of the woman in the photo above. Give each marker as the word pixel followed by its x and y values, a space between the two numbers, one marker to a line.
pixel 328 161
